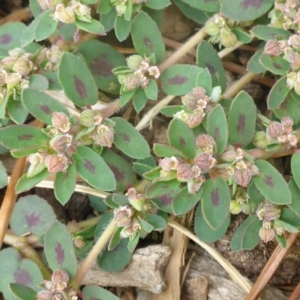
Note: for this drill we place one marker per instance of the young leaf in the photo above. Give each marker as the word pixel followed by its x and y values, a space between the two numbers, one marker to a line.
pixel 64 184
pixel 41 105
pixel 122 28
pixel 245 10
pixel 204 5
pixel 241 119
pixel 32 214
pixel 275 64
pixel 290 217
pixel 271 184
pixel 59 250
pixel 129 140
pixel 101 59
pixel 215 198
pixel 278 93
pixel 205 232
pixel 160 188
pixel 115 239
pixel 22 292
pixel 26 183
pixel 217 127
pixel 126 97
pixel 93 169
pixel 179 80
pixel 77 80
pixel 94 27
pixel 171 110
pixel 204 80
pixel 158 222
pixel 16 111
pixel 139 99
pixel 146 37
pixel 151 90
pixel 246 237
pixel 166 151
pixel 133 242
pixel 207 57
pixel 295 191
pixel 266 33
pixel 144 165
pixel 22 136
pixel 124 174
pixel 97 293
pixel 182 137
pixel 184 201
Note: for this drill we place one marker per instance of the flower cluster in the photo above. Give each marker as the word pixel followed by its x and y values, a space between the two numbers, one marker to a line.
pixel 220 30
pixel 123 5
pixel 241 203
pixel 137 74
pixel 196 104
pixel 269 213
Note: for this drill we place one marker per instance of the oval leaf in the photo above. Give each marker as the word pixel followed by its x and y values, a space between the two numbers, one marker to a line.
pixel 97 293
pixel 209 6
pixel 26 183
pixel 275 64
pixel 278 93
pixel 271 184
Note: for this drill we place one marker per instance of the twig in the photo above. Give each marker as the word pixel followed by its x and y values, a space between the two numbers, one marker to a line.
pixel 296 293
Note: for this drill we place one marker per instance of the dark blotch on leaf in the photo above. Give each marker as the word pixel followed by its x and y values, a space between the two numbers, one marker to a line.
pixel 46 109
pixel 215 197
pixel 256 4
pixel 94 298
pixel 210 68
pixel 118 174
pixel 148 43
pixel 165 199
pixel 268 180
pixel 88 165
pixel 80 87
pixel 5 38
pixel 241 124
pixel 178 80
pixel 22 277
pixel 217 133
pixel 181 141
pixel 125 137
pixel 25 137
pixel 33 220
pixel 277 66
pixel 101 67
pixel 60 254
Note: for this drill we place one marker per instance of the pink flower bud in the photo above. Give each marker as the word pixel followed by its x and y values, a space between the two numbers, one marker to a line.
pixel 273 48
pixel 287 123
pixel 23 66
pixel 104 136
pixel 227 37
pixel 61 121
pixel 56 163
pixel 271 212
pixel 44 295
pixel 136 200
pixel 266 234
pixel 13 79
pixel 64 14
pixel 86 118
pixel 61 143
pixel 60 276
pixel 134 62
pixel 3 76
pixel 195 118
pixel 131 82
pixel 122 216
pixel 205 141
pixel 242 176
pixel 195 184
pixel 169 164
pixel 184 172
pixel 275 129
pixel 154 71
pixel 205 162
pixel 190 100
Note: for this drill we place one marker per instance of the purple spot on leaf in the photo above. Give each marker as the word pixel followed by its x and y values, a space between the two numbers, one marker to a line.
pixel 101 67
pixel 277 66
pixel 210 68
pixel 178 80
pixel 60 254
pixel 241 124
pixel 5 38
pixel 25 137
pixel 118 174
pixel 125 137
pixel 148 43
pixel 217 133
pixel 165 199
pixel 80 87
pixel 88 165
pixel 256 4
pixel 22 277
pixel 181 141
pixel 215 197
pixel 268 180
pixel 46 109
pixel 33 220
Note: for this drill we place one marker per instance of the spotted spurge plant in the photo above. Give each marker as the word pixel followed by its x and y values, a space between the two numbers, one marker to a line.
pixel 217 160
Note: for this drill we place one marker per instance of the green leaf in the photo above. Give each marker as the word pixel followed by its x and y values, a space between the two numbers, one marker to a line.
pixel 204 80
pixel 101 59
pixel 217 127
pixel 133 242
pixel 245 10
pixel 207 57
pixel 22 292
pixel 268 182
pixel 109 202
pixel 22 136
pixel 93 169
pixel 215 202
pixel 147 227
pixel 59 250
pixel 151 90
pixel 158 4
pixel 241 119
pixel 158 222
pixel 161 188
pixel 254 65
pixel 53 81
pixel 97 204
pixel 241 35
pixel 179 80
pixel 290 217
pixel 64 184
pixel 254 194
pixel 246 237
pixel 182 137
pixel 184 201
pixel 121 200
pixel 204 231
pixel 97 293
pixel 16 111
pixel 275 64
pixel 266 33
pixel 41 105
pixel 115 239
pixel 38 82
pixel 144 165
pixel 295 191
pixel 77 80
pixel 3 176
pixel 126 97
pixel 146 37
pixel 26 183
pixel 278 93
pixel 171 110
pixel 139 99
pixel 32 214
pixel 129 140
pixel 123 172
pixel 94 27
pixel 164 201
pixel 295 166
pixel 207 6
pixel 122 28
pixel 104 7
pixel 166 151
